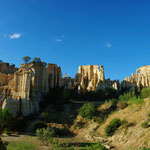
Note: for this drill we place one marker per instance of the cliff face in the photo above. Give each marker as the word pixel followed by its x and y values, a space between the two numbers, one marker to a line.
pixel 92 78
pixel 26 89
pixel 22 90
pixel 5 68
pixel 138 80
pixel 54 76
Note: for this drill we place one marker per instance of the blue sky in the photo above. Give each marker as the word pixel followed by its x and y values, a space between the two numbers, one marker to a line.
pixel 113 33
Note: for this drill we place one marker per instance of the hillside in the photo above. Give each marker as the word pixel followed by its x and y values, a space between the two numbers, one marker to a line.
pixel 131 135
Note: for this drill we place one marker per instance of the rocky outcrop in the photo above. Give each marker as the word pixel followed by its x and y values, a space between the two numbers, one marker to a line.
pixel 138 80
pixel 30 82
pixel 54 76
pixel 22 91
pixel 92 78
pixel 6 68
pixel 89 76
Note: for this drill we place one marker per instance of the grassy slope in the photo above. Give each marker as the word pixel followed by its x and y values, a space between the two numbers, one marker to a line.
pixel 133 135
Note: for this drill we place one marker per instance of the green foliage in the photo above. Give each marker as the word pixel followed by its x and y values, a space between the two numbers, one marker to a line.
pixel 21 145
pixel 131 98
pixel 145 92
pixel 144 148
pixel 149 114
pixel 7 132
pixel 127 96
pixel 97 146
pixel 26 59
pixel 2 145
pixel 88 110
pixel 1 61
pixel 145 124
pixel 122 105
pixel 38 125
pixel 37 59
pixel 45 134
pixel 5 118
pixel 112 127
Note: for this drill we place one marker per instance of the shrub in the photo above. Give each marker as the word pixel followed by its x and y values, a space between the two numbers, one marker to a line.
pixel 131 98
pixel 88 110
pixel 127 96
pixel 122 105
pixel 145 124
pixel 7 132
pixel 45 134
pixel 112 127
pixel 145 92
pixel 144 148
pixel 5 118
pixel 61 131
pixel 2 145
pixel 97 146
pixel 38 125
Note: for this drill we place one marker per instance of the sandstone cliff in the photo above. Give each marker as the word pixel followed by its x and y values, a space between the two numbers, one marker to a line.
pixel 26 89
pixel 92 78
pixel 138 80
pixel 6 68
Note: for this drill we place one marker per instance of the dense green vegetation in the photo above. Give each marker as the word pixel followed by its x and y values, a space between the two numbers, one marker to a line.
pixel 113 126
pixel 88 110
pixel 5 118
pixel 145 92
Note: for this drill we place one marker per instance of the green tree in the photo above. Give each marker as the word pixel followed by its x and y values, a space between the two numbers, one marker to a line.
pixel 1 61
pixel 26 59
pixel 45 134
pixel 37 60
pixel 112 127
pixel 88 110
pixel 5 118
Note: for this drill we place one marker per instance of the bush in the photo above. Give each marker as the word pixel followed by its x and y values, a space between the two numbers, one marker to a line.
pixel 5 118
pixel 112 127
pixel 131 98
pixel 45 134
pixel 7 132
pixel 145 124
pixel 88 110
pixel 144 148
pixel 145 92
pixel 122 105
pixel 97 146
pixel 38 125
pixel 127 96
pixel 2 145
pixel 61 132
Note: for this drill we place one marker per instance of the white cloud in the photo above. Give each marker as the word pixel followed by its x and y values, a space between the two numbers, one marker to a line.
pixel 15 36
pixel 60 38
pixel 108 45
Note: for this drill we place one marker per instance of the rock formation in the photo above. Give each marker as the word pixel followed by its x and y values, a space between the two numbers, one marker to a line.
pixel 92 78
pixel 6 68
pixel 138 80
pixel 89 76
pixel 26 89
pixel 21 90
pixel 54 76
